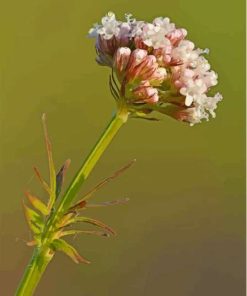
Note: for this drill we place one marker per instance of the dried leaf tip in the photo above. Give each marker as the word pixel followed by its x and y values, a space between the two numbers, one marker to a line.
pixel 63 246
pixel 104 182
pixel 51 165
pixel 37 203
pixel 41 180
pixel 61 176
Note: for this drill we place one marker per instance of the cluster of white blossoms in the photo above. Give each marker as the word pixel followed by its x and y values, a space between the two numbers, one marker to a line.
pixel 156 67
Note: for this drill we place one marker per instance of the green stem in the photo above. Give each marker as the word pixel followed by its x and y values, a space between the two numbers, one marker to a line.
pixel 33 273
pixel 40 258
pixel 116 122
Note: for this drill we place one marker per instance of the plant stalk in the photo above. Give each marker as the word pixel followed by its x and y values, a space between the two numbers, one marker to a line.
pixel 40 259
pixel 33 273
pixel 111 130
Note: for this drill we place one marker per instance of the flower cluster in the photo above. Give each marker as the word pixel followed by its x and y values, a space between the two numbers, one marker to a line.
pixel 155 68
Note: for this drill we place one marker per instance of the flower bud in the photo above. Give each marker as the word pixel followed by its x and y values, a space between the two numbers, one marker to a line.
pixel 138 41
pixel 144 67
pixel 136 59
pixel 163 55
pixel 181 113
pixel 158 76
pixel 145 93
pixel 121 59
pixel 176 36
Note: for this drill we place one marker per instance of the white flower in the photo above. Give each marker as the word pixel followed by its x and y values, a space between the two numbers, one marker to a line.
pixel 193 88
pixel 185 52
pixel 108 29
pixel 156 67
pixel 137 29
pixel 164 23
pixel 153 35
pixel 203 105
pixel 129 18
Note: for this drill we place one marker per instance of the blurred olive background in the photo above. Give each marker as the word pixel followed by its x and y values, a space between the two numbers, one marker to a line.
pixel 182 233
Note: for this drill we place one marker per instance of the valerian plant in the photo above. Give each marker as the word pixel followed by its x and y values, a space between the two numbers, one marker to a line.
pixel 155 70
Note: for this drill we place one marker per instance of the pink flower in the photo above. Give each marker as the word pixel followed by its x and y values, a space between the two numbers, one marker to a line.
pixel 121 59
pixel 144 70
pixel 157 68
pixel 163 55
pixel 138 41
pixel 138 71
pixel 106 49
pixel 138 65
pixel 176 36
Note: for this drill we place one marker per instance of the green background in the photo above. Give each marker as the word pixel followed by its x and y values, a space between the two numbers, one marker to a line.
pixel 182 233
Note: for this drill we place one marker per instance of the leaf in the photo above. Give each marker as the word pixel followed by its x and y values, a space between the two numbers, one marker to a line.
pixel 145 117
pixel 66 220
pixel 42 181
pixel 35 242
pixel 63 246
pixel 33 219
pixel 92 232
pixel 37 204
pixel 31 243
pixel 102 183
pixel 51 165
pixel 96 223
pixel 60 177
pixel 78 206
pixel 108 203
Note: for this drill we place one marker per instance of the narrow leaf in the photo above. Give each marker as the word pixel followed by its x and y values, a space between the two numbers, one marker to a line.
pixel 32 243
pixel 92 232
pixel 60 177
pixel 36 241
pixel 96 223
pixel 66 220
pixel 103 182
pixel 108 203
pixel 37 204
pixel 33 219
pixel 145 118
pixel 51 165
pixel 63 246
pixel 42 181
pixel 78 206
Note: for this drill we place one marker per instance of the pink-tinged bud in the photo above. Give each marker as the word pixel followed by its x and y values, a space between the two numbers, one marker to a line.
pixel 180 78
pixel 136 59
pixel 178 84
pixel 163 55
pixel 186 115
pixel 145 93
pixel 144 67
pixel 158 76
pixel 188 73
pixel 138 41
pixel 106 48
pixel 176 36
pixel 121 59
pixel 181 113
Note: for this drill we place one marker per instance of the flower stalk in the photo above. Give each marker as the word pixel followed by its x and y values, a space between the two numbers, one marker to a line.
pixel 111 130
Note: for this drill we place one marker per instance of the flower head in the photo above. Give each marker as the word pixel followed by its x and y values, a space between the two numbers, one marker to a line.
pixel 155 68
